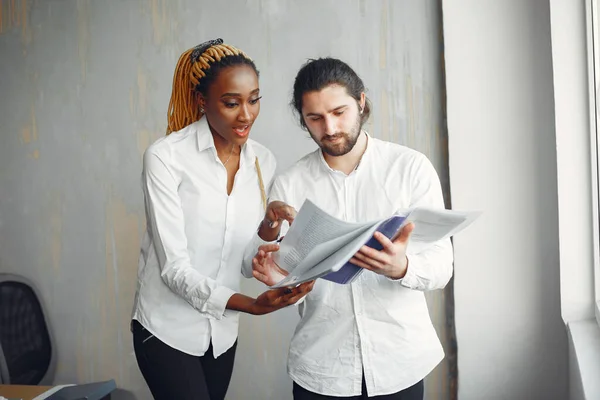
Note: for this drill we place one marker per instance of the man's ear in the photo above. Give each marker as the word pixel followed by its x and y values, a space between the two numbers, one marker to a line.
pixel 363 102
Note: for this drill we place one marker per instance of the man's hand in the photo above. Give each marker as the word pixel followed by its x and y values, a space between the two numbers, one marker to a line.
pixel 391 261
pixel 277 212
pixel 264 268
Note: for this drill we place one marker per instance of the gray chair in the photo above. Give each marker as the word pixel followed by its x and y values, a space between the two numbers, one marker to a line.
pixel 27 352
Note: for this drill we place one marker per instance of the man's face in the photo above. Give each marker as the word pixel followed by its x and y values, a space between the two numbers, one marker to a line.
pixel 332 118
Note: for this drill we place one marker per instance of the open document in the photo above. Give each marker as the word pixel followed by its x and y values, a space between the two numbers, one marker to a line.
pixel 318 245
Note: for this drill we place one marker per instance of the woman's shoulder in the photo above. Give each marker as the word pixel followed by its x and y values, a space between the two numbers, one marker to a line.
pixel 164 146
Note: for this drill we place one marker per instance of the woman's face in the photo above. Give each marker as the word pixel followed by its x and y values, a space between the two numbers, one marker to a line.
pixel 232 103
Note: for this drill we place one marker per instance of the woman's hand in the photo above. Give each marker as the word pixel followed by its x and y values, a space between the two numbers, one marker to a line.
pixel 275 299
pixel 277 212
pixel 269 301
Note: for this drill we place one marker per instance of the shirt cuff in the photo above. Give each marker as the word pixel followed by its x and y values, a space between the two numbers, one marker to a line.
pixel 410 278
pixel 261 240
pixel 250 252
pixel 258 241
pixel 216 304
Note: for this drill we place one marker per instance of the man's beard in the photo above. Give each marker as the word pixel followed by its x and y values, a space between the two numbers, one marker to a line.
pixel 342 147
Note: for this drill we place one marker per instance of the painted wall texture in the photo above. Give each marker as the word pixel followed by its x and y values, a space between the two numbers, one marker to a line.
pixel 84 90
pixel 501 118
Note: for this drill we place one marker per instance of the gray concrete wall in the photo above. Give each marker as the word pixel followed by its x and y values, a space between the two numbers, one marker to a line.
pixel 84 89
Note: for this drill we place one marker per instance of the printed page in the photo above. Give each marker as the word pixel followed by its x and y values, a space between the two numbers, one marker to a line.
pixel 432 225
pixel 322 245
pixel 349 272
pixel 308 270
pixel 314 235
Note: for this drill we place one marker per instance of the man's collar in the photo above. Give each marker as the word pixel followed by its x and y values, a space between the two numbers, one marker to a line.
pixel 362 157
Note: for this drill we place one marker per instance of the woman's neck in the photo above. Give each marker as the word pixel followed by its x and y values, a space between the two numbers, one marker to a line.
pixel 224 147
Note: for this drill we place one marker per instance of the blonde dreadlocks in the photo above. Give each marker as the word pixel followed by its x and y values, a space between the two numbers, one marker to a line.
pixel 195 70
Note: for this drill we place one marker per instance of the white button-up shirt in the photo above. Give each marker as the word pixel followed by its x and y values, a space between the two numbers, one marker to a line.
pixel 192 250
pixel 376 324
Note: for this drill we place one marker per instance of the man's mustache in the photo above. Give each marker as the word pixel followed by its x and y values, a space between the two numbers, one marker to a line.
pixel 334 137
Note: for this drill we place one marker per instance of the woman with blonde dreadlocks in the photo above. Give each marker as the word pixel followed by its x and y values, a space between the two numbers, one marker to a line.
pixel 204 190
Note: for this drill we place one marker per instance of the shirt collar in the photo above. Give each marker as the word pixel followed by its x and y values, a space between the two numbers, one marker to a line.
pixel 206 141
pixel 205 138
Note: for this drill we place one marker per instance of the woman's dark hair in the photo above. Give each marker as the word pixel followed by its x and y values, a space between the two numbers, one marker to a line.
pixel 217 66
pixel 322 72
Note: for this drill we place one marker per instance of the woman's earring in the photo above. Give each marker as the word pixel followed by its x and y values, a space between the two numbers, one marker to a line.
pixel 201 110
